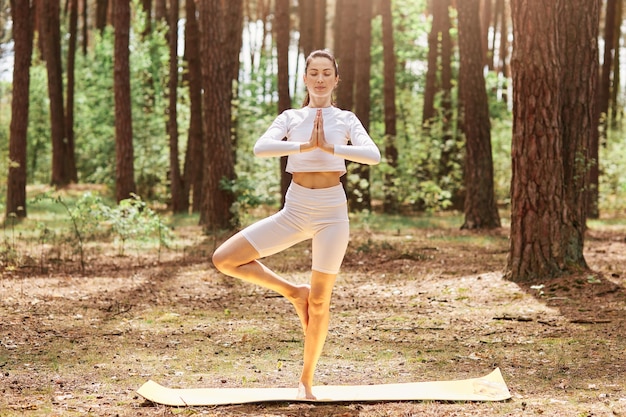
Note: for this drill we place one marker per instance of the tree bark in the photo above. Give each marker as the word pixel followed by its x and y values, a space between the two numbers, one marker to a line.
pixel 345 47
pixel 180 203
pixel 437 10
pixel 554 82
pixel 485 24
pixel 63 166
pixel 603 103
pixel 194 156
pixel 284 98
pixel 71 76
pixel 390 203
pixel 102 7
pixel 21 13
pixel 125 174
pixel 359 197
pixel 217 80
pixel 480 206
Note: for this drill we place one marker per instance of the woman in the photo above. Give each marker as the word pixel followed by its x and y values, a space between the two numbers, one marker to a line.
pixel 315 205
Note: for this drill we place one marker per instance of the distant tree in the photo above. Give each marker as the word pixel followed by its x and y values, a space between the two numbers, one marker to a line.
pixel 390 203
pixel 439 33
pixel 218 63
pixel 486 15
pixel 345 47
pixel 555 70
pixel 71 77
pixel 63 162
pixel 160 10
pixel 480 209
pixel 21 12
pixel 359 196
pixel 312 25
pixel 180 201
pixel 85 27
pixel 125 173
pixel 615 105
pixel 605 86
pixel 194 156
pixel 102 8
pixel 451 144
pixel 503 55
pixel 281 24
pixel 147 8
pixel 439 84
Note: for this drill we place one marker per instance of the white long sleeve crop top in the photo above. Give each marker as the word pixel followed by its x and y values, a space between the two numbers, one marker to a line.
pixel 340 127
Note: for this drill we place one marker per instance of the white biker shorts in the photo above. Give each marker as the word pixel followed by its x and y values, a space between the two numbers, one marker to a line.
pixel 318 214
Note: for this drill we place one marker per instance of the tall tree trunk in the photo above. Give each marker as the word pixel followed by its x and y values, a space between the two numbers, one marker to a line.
pixel 85 26
pixel 233 15
pixel 504 50
pixel 604 90
pixel 62 168
pixel 604 97
pixel 390 203
pixel 125 174
pixel 71 76
pixel 102 7
pixel 451 142
pixel 437 8
pixel 21 13
pixel 614 103
pixel 498 15
pixel 345 47
pixel 319 24
pixel 180 203
pixel 195 156
pixel 579 117
pixel 306 9
pixel 160 10
pixel 218 150
pixel 147 8
pixel 485 24
pixel 284 98
pixel 554 83
pixel 480 206
pixel 359 197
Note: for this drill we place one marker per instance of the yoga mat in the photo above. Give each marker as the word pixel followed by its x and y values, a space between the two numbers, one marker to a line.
pixel 490 387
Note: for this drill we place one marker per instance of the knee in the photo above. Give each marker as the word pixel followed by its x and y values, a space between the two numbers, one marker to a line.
pixel 220 260
pixel 318 306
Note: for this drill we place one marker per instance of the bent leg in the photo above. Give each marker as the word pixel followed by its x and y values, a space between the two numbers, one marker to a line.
pixel 317 330
pixel 239 259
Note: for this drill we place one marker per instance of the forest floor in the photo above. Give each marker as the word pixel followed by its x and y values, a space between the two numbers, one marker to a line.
pixel 414 302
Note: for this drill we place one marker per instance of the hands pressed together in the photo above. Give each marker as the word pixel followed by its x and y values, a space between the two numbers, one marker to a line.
pixel 318 139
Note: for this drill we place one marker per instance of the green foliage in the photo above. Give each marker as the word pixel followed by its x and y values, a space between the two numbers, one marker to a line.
pixel 68 223
pixel 5 117
pixel 95 113
pixel 133 220
pixel 613 175
pixel 38 135
pixel 94 127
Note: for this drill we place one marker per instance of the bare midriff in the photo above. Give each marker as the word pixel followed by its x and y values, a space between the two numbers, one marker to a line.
pixel 316 180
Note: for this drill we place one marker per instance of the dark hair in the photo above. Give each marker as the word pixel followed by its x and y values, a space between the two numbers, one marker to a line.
pixel 319 53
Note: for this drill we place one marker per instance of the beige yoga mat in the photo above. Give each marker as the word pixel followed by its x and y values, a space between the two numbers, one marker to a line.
pixel 490 387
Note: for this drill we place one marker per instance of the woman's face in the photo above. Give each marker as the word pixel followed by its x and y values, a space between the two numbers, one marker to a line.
pixel 320 77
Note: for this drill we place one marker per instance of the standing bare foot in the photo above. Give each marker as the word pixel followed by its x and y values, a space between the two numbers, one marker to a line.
pixel 301 303
pixel 305 392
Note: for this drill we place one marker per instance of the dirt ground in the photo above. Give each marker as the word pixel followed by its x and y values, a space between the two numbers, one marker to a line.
pixel 412 304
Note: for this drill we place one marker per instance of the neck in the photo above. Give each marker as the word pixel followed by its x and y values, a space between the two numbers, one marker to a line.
pixel 319 103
